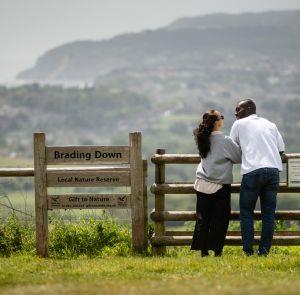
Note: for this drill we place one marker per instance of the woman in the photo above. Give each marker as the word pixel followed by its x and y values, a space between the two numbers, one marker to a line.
pixel 214 177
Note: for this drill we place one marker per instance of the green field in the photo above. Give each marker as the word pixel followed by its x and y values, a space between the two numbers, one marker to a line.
pixel 15 162
pixel 181 273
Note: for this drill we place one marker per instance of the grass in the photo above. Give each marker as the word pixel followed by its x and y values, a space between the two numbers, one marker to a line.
pixel 179 273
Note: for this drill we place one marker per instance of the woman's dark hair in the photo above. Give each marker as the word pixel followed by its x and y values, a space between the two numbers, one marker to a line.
pixel 203 131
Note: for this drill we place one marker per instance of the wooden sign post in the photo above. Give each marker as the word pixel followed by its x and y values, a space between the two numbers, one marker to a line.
pixel 41 208
pixel 133 176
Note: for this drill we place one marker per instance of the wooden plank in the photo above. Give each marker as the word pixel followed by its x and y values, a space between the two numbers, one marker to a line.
pixel 89 201
pixel 188 188
pixel 41 210
pixel 233 233
pixel 191 215
pixel 87 155
pixel 88 178
pixel 137 202
pixel 230 240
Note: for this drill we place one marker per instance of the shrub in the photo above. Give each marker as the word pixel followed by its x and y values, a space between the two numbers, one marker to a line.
pixel 87 237
pixel 11 235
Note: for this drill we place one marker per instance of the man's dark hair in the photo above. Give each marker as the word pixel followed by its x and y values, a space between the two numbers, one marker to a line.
pixel 249 104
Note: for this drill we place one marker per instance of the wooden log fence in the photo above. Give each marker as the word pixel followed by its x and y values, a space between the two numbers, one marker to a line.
pixel 160 188
pixel 159 215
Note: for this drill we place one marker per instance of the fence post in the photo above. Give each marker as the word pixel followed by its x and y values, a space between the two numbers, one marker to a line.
pixel 145 200
pixel 137 195
pixel 41 210
pixel 159 227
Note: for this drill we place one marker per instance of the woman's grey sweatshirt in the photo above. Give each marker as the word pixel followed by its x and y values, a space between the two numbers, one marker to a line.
pixel 217 166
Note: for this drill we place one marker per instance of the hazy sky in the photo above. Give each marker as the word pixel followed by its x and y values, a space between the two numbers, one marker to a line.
pixel 30 27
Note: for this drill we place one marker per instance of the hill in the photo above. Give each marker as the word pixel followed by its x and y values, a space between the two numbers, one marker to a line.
pixel 200 44
pixel 275 19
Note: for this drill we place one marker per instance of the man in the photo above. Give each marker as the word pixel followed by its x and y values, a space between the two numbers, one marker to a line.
pixel 261 145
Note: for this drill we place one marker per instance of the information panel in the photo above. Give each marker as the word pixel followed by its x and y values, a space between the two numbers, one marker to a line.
pixel 293 172
pixel 88 201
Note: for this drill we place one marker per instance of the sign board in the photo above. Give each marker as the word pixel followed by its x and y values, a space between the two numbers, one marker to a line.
pixel 87 155
pixel 128 170
pixel 88 201
pixel 293 172
pixel 88 179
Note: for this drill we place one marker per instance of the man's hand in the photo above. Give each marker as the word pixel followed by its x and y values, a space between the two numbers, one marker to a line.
pixel 283 156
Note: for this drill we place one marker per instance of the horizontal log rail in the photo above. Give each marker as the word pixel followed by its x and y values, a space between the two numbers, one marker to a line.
pixel 194 158
pixel 234 233
pixel 191 215
pixel 16 172
pixel 230 240
pixel 29 172
pixel 188 188
pixel 175 159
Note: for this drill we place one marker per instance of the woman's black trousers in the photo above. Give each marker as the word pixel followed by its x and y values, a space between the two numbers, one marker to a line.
pixel 212 219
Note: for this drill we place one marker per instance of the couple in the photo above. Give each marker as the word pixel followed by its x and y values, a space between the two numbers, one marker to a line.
pixel 256 143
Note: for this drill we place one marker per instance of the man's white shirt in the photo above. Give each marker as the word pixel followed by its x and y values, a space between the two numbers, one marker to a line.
pixel 260 142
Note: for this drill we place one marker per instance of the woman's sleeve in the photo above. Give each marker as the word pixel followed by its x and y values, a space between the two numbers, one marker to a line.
pixel 232 150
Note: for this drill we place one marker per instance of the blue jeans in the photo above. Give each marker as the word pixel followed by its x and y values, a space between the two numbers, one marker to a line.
pixel 261 183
